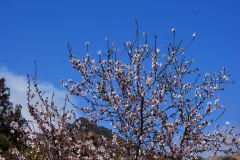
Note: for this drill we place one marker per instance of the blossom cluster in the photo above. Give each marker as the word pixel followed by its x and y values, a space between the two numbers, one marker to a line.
pixel 159 104
pixel 51 136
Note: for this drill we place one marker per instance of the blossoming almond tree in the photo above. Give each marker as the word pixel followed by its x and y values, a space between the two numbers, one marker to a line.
pixel 52 137
pixel 159 104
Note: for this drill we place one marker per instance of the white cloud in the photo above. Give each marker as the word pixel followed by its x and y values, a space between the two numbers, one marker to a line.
pixel 18 88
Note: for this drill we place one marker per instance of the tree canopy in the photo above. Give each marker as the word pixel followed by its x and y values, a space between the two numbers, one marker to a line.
pixel 159 105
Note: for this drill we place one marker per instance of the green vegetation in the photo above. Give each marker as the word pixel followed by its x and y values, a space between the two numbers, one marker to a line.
pixel 8 113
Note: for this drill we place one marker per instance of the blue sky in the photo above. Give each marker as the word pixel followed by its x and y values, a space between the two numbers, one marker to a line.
pixel 38 30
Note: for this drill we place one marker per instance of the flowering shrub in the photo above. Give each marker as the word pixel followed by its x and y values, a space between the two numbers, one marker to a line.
pixel 52 137
pixel 159 104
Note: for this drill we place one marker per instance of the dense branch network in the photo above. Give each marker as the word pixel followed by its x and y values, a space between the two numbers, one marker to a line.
pixel 51 136
pixel 159 104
